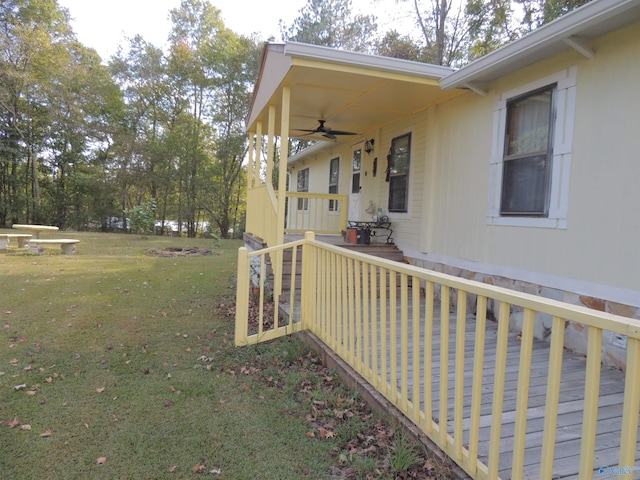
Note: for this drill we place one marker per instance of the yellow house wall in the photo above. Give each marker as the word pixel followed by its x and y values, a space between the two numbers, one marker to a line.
pixel 318 166
pixel 450 175
pixel 600 243
pixel 405 225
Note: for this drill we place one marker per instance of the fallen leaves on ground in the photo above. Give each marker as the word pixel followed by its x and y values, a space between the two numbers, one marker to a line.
pixel 13 423
pixel 333 410
pixel 339 410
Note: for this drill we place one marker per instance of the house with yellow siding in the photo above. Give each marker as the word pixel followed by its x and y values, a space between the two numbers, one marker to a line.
pixel 519 171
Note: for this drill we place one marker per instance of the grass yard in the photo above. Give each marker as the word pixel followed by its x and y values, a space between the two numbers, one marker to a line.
pixel 118 364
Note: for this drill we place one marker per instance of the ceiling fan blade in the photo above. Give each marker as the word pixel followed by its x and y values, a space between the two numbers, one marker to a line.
pixel 342 132
pixel 326 132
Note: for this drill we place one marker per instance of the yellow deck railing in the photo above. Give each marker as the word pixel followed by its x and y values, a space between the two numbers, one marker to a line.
pixel 262 213
pixel 317 212
pixel 320 213
pixel 424 341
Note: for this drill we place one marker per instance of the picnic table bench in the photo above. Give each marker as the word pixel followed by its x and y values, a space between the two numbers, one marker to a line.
pixel 68 245
pixel 22 238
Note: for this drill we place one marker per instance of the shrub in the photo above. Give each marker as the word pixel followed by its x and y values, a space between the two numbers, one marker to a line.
pixel 143 218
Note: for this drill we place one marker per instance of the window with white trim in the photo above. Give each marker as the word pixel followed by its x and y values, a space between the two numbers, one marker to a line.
pixel 531 154
pixel 334 175
pixel 527 158
pixel 303 186
pixel 398 173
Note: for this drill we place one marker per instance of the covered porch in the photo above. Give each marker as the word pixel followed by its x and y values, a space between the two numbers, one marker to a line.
pixel 352 95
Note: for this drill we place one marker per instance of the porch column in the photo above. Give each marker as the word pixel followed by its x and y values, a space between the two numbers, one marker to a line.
pixel 258 154
pixel 282 187
pixel 284 158
pixel 271 128
pixel 251 170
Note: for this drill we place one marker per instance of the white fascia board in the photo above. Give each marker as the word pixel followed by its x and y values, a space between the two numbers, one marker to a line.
pixel 273 67
pixel 546 38
pixel 374 62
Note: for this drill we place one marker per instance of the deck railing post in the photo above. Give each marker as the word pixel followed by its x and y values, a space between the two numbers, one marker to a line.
pixel 631 405
pixel 591 398
pixel 242 298
pixel 556 351
pixel 308 284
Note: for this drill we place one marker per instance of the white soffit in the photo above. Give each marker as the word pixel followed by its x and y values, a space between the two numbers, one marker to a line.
pixel 355 91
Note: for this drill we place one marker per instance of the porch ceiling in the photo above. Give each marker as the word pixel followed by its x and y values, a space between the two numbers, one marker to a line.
pixel 358 96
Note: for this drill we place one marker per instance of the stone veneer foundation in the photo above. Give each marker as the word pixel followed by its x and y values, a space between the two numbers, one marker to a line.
pixel 614 346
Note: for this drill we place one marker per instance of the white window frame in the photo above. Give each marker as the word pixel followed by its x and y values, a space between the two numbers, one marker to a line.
pixel 408 178
pixel 303 203
pixel 333 204
pixel 565 102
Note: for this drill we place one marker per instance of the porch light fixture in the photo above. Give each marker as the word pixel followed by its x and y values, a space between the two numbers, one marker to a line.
pixel 368 145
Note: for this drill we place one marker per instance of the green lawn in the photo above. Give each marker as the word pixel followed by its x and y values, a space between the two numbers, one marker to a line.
pixel 117 364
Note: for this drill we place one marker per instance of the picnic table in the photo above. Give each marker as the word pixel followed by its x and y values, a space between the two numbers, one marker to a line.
pixel 35 229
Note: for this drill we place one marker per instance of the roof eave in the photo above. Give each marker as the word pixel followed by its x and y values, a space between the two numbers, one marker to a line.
pixel 332 55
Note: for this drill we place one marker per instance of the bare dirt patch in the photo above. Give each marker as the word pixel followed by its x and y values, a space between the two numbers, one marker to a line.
pixel 178 252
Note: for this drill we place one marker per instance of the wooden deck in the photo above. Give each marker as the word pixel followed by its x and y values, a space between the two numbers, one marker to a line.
pixel 569 431
pixel 572 394
pixel 569 428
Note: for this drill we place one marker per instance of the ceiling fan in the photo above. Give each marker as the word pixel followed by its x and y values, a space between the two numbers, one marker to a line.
pixel 326 132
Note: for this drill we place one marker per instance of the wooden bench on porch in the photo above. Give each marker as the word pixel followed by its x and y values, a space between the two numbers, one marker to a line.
pixel 366 230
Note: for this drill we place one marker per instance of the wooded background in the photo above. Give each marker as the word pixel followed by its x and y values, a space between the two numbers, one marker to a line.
pixel 84 140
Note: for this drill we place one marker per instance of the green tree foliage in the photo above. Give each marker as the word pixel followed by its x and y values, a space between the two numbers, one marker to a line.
pixel 444 30
pixel 456 32
pixel 82 142
pixel 182 140
pixel 224 198
pixel 142 218
pixel 495 23
pixel 331 23
pixel 395 45
pixel 142 166
pixel 56 107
